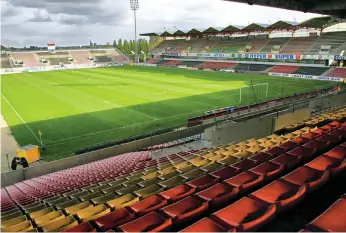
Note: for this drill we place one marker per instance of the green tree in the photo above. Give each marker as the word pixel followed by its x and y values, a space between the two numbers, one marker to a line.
pixel 115 44
pixel 120 45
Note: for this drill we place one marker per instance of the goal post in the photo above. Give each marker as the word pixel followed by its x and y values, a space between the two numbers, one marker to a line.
pixel 241 91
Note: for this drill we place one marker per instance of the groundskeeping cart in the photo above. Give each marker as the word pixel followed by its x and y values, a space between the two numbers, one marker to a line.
pixel 26 155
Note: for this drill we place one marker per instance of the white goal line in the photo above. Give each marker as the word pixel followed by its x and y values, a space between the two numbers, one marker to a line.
pixel 260 84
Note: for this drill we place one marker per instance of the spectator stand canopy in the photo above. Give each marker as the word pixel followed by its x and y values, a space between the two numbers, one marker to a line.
pixel 318 23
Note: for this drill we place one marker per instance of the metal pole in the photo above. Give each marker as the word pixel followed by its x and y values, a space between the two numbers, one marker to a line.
pixel 136 42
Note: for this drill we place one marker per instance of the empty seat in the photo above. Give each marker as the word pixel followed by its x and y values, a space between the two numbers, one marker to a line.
pixel 73 209
pixel 245 164
pixel 112 189
pixel 14 221
pixel 147 205
pixel 332 220
pixel 204 225
pixel 307 153
pixel 122 201
pixel 319 146
pixel 60 225
pixel 288 161
pixel 211 167
pixel 90 196
pixel 52 216
pixel 245 215
pixel 92 212
pixel 152 222
pixel 338 152
pixel 226 172
pixel 169 175
pixel 103 199
pixel 67 204
pixel 246 181
pixel 187 168
pixel 147 183
pixel 203 182
pixel 114 219
pixel 193 174
pixel 84 227
pixel 127 190
pixel 177 193
pixel 323 163
pixel 219 194
pixel 132 182
pixel 269 170
pixel 175 181
pixel 185 210
pixel 148 191
pixel 40 213
pixel 229 160
pixel 309 177
pixel 23 226
pixel 261 157
pixel 281 193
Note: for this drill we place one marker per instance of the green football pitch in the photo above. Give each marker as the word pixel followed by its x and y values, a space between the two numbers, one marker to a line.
pixel 78 108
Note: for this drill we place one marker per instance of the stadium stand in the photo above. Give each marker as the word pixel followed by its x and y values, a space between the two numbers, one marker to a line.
pixel 337 72
pixel 102 59
pixel 317 71
pixel 167 46
pixel 284 69
pixel 257 45
pixel 172 63
pixel 203 45
pixel 98 52
pixel 58 61
pixel 275 45
pixel 81 57
pixel 299 45
pixel 152 61
pixel 28 59
pixel 252 67
pixel 335 41
pixel 56 58
pixel 217 65
pixel 245 195
pixel 231 45
pixel 116 56
pixel 194 64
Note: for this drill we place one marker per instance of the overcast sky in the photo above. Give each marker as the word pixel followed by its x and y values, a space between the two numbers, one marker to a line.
pixel 73 22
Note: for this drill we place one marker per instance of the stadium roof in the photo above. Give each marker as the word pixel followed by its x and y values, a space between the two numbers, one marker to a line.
pixel 336 8
pixel 316 23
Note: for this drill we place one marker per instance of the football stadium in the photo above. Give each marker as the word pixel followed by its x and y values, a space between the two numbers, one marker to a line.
pixel 215 129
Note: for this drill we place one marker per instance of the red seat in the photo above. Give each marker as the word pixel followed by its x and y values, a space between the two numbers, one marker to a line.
pixel 320 146
pixel 152 222
pixel 281 193
pixel 289 161
pixel 245 164
pixel 276 151
pixel 311 135
pixel 300 140
pixel 307 153
pixel 309 177
pixel 332 220
pixel 203 182
pixel 323 163
pixel 245 181
pixel 218 194
pixel 204 225
pixel 177 193
pixel 84 227
pixel 338 133
pixel 333 140
pixel 245 215
pixel 268 170
pixel 261 157
pixel 185 210
pixel 147 205
pixel 338 153
pixel 290 145
pixel 225 173
pixel 114 219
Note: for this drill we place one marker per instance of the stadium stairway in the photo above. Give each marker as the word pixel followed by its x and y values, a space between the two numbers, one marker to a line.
pixel 132 192
pixel 81 57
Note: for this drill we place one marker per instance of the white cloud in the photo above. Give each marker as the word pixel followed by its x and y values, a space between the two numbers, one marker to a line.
pixel 71 22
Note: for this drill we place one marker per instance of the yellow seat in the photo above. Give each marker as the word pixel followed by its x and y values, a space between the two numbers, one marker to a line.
pixel 149 191
pixel 231 151
pixel 187 168
pixel 132 182
pixel 177 161
pixel 212 167
pixel 74 209
pixel 133 176
pixel 174 181
pixel 167 170
pixel 112 189
pixel 127 190
pixel 208 155
pixel 21 227
pixel 217 157
pixel 66 204
pixel 103 199
pixel 193 174
pixel 169 175
pixel 13 221
pixel 122 201
pixel 92 212
pixel 201 162
pixel 182 165
pixel 60 225
pixel 242 154
pixel 53 216
pixel 39 213
pixel 149 182
pixel 151 175
pixel 262 140
pixel 228 160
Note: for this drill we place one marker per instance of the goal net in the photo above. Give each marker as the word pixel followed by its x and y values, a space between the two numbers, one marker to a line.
pixel 253 93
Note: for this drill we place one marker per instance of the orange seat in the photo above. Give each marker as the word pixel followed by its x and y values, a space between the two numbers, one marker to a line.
pixel 332 220
pixel 261 157
pixel 114 219
pixel 203 182
pixel 290 145
pixel 219 194
pixel 204 225
pixel 246 181
pixel 281 193
pixel 152 222
pixel 338 152
pixel 245 164
pixel 147 205
pixel 276 151
pixel 84 227
pixel 225 173
pixel 307 153
pixel 323 163
pixel 269 170
pixel 319 146
pixel 177 193
pixel 245 215
pixel 185 210
pixel 309 177
pixel 288 161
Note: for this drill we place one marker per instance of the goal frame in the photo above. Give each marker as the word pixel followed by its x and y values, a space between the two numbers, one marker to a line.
pixel 260 84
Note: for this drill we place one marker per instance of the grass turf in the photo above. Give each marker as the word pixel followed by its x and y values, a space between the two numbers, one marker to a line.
pixel 77 108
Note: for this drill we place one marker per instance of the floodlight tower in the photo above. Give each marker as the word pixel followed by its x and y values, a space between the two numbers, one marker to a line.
pixel 134 7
